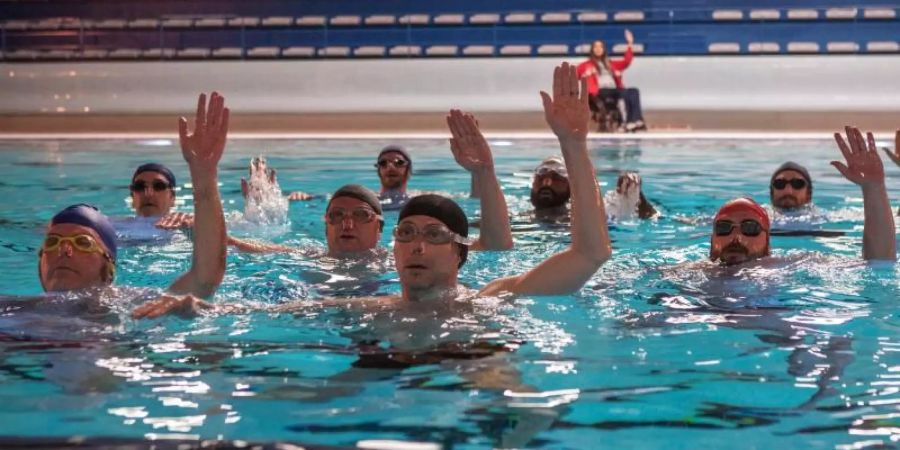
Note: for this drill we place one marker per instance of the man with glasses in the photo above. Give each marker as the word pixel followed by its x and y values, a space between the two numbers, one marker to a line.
pixel 394 168
pixel 550 185
pixel 80 251
pixel 741 229
pixel 353 224
pixel 431 236
pixel 790 187
pixel 152 190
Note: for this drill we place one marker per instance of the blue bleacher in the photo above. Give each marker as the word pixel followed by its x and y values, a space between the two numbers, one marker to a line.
pixel 56 28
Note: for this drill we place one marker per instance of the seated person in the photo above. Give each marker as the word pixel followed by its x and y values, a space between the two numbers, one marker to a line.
pixel 604 77
pixel 628 201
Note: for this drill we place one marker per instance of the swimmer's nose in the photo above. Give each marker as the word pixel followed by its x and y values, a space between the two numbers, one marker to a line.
pixel 419 246
pixel 66 248
pixel 546 182
pixel 347 223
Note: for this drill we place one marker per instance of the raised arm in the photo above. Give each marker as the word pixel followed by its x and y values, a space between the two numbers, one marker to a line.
pixel 568 115
pixel 202 150
pixel 473 153
pixel 864 168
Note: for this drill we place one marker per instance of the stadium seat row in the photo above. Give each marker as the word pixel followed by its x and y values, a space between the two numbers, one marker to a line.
pixel 375 51
pixel 449 19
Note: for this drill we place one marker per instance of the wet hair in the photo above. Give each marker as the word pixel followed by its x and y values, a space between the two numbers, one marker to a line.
pixel 91 217
pixel 158 168
pixel 362 194
pixel 393 148
pixel 443 209
pixel 790 165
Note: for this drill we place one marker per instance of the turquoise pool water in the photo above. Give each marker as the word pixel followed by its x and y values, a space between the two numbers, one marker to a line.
pixel 650 354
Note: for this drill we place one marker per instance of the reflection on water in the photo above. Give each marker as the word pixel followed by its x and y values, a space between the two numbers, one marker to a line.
pixel 660 347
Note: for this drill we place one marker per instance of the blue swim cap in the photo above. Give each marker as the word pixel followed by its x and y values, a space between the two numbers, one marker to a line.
pixel 89 216
pixel 154 167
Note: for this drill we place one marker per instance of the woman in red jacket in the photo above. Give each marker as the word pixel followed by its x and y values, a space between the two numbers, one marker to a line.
pixel 604 77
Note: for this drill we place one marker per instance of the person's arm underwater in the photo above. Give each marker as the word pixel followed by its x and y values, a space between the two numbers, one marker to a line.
pixel 568 115
pixel 202 150
pixel 473 153
pixel 864 168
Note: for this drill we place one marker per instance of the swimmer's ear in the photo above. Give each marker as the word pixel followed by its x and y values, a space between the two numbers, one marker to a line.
pixel 110 273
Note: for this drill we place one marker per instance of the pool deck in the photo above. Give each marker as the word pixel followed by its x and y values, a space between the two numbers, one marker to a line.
pixel 664 125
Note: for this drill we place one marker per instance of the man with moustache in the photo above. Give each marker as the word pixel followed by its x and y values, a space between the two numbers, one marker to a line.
pixel 741 229
pixel 550 190
pixel 790 188
pixel 394 168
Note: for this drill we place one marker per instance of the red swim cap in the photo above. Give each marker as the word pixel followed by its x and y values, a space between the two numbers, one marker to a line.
pixel 744 204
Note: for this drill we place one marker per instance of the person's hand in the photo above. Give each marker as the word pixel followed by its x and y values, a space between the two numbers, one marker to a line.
pixel 176 221
pixel 259 172
pixel 863 166
pixel 567 111
pixel 631 184
pixel 203 148
pixel 629 38
pixel 468 145
pixel 184 306
pixel 298 196
pixel 895 155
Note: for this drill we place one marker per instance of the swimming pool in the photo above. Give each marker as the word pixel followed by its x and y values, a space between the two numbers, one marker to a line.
pixel 650 354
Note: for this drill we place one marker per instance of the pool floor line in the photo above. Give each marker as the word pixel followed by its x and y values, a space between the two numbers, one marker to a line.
pixel 651 136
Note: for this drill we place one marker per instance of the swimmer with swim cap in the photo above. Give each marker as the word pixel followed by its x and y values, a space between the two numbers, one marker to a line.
pixel 80 249
pixel 354 215
pixel 431 236
pixel 790 187
pixel 550 184
pixel 740 232
pixel 394 168
pixel 152 190
pixel 741 228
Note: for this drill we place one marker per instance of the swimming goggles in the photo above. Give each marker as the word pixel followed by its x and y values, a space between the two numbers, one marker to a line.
pixel 81 242
pixel 140 186
pixel 748 227
pixel 396 162
pixel 796 183
pixel 336 216
pixel 434 233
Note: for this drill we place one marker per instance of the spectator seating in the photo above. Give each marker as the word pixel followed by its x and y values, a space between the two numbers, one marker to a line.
pixel 211 29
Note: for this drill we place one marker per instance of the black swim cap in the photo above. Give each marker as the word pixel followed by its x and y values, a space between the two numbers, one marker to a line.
pixel 397 149
pixel 358 192
pixel 159 168
pixel 89 216
pixel 443 209
pixel 790 165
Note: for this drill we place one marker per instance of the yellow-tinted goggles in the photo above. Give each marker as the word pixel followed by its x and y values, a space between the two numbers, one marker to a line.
pixel 81 242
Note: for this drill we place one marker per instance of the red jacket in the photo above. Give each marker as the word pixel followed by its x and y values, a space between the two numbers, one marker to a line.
pixel 591 69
